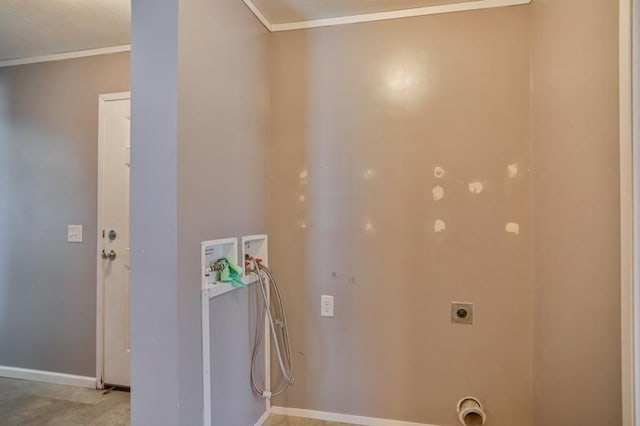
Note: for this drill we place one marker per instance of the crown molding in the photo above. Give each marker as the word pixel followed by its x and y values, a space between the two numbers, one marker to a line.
pixel 66 55
pixel 381 16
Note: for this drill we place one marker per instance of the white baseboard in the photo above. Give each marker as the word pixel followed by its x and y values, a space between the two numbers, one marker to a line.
pixel 342 418
pixel 47 377
pixel 262 419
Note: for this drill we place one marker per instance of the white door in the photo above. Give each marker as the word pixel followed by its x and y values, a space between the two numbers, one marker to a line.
pixel 113 239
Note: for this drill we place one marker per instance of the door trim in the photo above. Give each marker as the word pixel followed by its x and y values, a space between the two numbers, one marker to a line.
pixel 102 100
pixel 629 209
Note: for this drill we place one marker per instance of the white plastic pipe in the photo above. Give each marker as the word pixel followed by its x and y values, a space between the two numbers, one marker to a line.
pixel 206 359
pixel 471 412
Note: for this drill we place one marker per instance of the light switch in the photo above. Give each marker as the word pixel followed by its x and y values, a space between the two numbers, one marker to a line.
pixel 326 306
pixel 74 233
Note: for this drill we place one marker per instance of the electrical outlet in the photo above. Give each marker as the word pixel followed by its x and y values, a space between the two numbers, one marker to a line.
pixel 462 313
pixel 326 306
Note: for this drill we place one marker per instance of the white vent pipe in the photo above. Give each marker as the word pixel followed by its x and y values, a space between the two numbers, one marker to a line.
pixel 471 412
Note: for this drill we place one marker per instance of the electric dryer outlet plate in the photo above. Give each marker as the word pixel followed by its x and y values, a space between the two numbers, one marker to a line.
pixel 462 313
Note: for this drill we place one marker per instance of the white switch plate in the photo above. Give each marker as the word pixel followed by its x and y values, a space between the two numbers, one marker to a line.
pixel 326 306
pixel 74 233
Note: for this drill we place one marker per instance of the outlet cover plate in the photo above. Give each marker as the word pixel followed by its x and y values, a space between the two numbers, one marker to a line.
pixel 326 306
pixel 462 313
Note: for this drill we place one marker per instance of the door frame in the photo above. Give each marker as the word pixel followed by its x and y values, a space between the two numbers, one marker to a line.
pixel 629 209
pixel 102 101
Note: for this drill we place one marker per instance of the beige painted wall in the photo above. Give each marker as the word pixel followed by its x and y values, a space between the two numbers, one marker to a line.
pixel 576 363
pixel 362 114
pixel 223 131
pixel 48 180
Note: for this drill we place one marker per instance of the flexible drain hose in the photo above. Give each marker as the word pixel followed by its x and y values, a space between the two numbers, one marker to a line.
pixel 279 330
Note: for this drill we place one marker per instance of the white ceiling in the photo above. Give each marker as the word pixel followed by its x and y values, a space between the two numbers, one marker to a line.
pixel 286 11
pixel 41 27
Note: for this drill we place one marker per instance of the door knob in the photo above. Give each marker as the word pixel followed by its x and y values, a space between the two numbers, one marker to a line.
pixel 111 255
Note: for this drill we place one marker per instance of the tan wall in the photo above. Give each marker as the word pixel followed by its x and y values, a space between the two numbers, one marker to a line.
pixel 576 212
pixel 48 180
pixel 223 130
pixel 361 116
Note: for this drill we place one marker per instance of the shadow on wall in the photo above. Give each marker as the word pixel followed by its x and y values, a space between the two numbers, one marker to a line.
pixel 49 181
pixel 48 143
pixel 5 181
pixel 348 183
